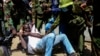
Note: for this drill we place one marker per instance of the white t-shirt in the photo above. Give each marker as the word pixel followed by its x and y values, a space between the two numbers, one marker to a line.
pixel 33 41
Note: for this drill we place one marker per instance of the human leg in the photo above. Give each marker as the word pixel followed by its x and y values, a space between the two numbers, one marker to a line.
pixel 47 42
pixel 64 39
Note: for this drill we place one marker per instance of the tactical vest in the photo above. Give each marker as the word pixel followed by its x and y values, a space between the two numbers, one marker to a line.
pixel 65 3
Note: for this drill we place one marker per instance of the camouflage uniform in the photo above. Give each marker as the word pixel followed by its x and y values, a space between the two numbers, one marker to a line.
pixel 1 18
pixel 8 20
pixel 41 16
pixel 19 13
pixel 75 20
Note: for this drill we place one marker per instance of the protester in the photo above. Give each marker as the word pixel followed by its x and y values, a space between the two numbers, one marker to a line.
pixel 38 42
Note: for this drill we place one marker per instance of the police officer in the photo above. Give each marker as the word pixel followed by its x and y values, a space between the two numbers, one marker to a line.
pixel 1 18
pixel 19 12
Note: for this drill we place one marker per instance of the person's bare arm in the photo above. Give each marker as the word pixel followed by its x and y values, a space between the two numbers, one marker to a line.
pixel 36 35
pixel 22 41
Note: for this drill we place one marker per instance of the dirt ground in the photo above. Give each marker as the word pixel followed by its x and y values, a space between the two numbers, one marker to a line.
pixel 20 53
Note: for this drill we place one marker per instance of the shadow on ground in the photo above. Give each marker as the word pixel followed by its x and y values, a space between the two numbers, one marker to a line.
pixel 86 52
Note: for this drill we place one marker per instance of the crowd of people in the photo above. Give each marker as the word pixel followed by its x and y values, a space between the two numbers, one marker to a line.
pixel 24 18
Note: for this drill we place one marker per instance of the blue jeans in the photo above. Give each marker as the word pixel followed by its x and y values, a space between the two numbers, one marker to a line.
pixel 48 41
pixel 64 39
pixel 49 24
